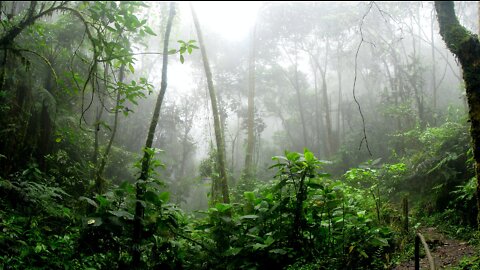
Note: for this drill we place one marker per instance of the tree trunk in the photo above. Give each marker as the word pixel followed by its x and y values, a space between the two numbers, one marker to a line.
pixel 140 185
pixel 299 100
pixel 339 107
pixel 98 117
pixel 219 138
pixel 251 109
pixel 330 145
pixel 318 117
pixel 99 181
pixel 466 46
pixel 434 78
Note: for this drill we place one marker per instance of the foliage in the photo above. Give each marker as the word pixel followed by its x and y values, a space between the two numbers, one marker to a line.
pixel 60 74
pixel 302 217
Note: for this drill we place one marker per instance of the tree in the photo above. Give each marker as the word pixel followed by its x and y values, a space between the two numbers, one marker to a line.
pixel 466 47
pixel 251 108
pixel 139 208
pixel 219 185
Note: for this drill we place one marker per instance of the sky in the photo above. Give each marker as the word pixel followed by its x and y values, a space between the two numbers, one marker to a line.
pixel 231 19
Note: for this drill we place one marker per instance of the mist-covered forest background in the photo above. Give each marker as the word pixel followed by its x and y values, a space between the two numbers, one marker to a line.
pixel 361 105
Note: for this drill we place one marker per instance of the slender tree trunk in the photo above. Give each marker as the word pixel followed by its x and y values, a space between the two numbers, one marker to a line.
pixel 434 79
pixel 299 100
pixel 466 47
pixel 340 105
pixel 249 171
pixel 98 118
pixel 140 185
pixel 326 106
pixel 99 181
pixel 219 137
pixel 318 116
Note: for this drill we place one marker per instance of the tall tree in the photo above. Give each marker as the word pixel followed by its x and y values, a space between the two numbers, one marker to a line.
pixel 251 108
pixel 219 185
pixel 147 156
pixel 466 47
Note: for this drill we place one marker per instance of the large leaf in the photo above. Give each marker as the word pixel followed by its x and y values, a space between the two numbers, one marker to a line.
pixel 222 207
pixel 250 196
pixel 122 214
pixel 89 201
pixel 151 196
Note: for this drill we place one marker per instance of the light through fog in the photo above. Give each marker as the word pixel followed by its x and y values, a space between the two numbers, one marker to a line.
pixel 232 20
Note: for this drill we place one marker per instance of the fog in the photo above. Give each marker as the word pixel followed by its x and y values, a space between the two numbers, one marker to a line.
pixel 346 80
pixel 307 58
pixel 239 135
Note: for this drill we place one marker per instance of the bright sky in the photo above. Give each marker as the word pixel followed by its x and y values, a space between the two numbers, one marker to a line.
pixel 230 19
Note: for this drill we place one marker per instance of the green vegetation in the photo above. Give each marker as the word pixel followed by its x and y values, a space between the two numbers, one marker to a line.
pixel 80 188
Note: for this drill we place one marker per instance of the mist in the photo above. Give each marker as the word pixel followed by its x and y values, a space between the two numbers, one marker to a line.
pixel 237 129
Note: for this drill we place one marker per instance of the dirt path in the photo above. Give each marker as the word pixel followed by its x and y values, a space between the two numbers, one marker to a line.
pixel 447 252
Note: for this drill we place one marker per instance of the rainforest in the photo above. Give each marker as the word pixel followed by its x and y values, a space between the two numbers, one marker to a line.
pixel 239 135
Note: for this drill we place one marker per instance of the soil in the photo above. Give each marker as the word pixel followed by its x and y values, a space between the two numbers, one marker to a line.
pixel 447 252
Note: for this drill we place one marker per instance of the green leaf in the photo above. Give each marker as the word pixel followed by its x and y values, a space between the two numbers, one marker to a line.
pixel 292 156
pixel 233 251
pixel 122 213
pixel 89 201
pixel 149 31
pixel 315 183
pixel 222 207
pixel 40 247
pixel 269 240
pixel 250 196
pixel 172 51
pixel 102 200
pixel 164 196
pixel 249 217
pixel 151 196
pixel 379 242
pixel 182 59
pixel 309 156
pixel 258 246
pixel 278 251
pixel 130 67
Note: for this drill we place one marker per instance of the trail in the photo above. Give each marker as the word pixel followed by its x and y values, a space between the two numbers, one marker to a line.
pixel 447 252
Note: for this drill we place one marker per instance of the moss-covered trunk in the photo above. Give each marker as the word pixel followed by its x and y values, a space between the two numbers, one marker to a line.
pixel 466 47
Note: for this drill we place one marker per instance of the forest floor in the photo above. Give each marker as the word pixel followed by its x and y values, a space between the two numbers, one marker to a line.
pixel 446 251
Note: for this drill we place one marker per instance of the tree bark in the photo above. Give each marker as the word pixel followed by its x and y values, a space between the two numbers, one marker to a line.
pixel 466 47
pixel 219 137
pixel 140 185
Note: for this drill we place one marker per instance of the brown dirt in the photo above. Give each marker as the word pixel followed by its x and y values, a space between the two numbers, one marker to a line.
pixel 447 252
